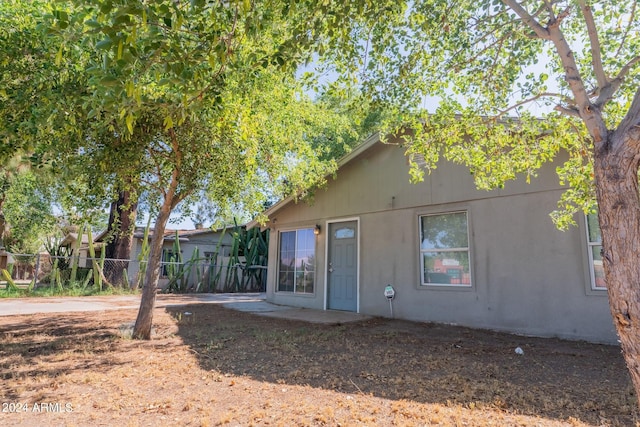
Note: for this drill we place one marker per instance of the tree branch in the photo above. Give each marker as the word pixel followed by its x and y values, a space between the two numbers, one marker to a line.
pixel 534 98
pixel 542 32
pixel 554 34
pixel 151 184
pixel 588 112
pixel 569 111
pixel 591 116
pixel 632 16
pixel 555 22
pixel 627 67
pixel 158 168
pixel 495 61
pixel 632 118
pixel 549 6
pixel 480 41
pixel 606 93
pixel 175 147
pixel 172 195
pixel 596 57
pixel 487 18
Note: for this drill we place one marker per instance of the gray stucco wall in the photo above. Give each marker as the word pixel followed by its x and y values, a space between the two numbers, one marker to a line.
pixel 527 277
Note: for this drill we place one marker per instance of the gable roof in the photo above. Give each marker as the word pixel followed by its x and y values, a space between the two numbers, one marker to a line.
pixel 347 158
pixel 70 238
pixel 183 235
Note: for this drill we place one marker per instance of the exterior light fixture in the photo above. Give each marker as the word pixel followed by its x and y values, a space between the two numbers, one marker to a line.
pixel 316 230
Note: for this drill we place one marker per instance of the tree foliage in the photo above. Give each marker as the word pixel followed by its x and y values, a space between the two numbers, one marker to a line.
pixel 161 65
pixel 488 63
pixel 178 99
pixel 175 99
pixel 27 210
pixel 486 77
pixel 40 115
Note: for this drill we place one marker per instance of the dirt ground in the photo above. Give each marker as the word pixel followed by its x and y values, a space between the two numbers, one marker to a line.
pixel 209 366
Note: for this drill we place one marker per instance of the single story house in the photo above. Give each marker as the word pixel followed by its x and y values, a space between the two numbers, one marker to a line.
pixel 201 249
pixel 451 253
pixel 207 248
pixel 70 240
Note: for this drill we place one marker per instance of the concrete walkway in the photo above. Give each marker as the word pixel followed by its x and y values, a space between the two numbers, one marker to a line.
pixel 247 302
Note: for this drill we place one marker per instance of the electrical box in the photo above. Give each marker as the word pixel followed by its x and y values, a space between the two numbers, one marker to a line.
pixel 389 292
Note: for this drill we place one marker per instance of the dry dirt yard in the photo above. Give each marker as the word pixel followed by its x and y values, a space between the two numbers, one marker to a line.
pixel 210 366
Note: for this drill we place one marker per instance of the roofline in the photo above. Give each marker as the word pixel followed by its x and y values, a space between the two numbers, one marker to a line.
pixel 359 149
pixel 169 234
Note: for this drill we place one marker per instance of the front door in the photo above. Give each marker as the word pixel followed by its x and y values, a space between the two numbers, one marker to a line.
pixel 342 267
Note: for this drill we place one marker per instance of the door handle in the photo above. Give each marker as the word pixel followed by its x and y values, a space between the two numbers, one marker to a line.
pixel 330 268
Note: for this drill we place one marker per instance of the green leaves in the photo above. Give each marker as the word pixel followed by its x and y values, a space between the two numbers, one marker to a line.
pixel 109 81
pixel 104 44
pixel 490 78
pixel 191 96
pixel 27 208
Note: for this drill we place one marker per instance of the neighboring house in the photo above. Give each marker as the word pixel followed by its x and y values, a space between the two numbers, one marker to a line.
pixel 204 240
pixel 70 240
pixel 453 254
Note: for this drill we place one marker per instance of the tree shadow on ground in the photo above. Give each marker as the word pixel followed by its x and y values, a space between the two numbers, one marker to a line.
pixel 425 363
pixel 38 351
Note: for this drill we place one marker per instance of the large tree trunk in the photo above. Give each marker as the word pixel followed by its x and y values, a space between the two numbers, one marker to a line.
pixel 122 218
pixel 617 159
pixel 142 328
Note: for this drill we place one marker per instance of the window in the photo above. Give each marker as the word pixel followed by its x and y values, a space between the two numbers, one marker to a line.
pixel 210 259
pixel 444 249
pixel 170 263
pixel 594 242
pixel 296 272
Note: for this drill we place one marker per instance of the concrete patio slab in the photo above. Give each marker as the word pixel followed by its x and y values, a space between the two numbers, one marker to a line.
pixel 246 302
pixel 257 307
pixel 264 308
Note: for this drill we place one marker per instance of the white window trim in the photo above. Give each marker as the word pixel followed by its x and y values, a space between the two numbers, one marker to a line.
pixel 421 251
pixel 315 265
pixel 590 246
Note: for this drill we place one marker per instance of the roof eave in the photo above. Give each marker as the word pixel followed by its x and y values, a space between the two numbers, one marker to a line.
pixel 361 148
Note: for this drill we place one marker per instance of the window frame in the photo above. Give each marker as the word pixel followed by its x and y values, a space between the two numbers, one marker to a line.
pixel 296 292
pixel 165 262
pixel 467 249
pixel 590 254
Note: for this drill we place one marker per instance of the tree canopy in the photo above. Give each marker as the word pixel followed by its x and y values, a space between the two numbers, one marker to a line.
pixel 487 62
pixel 175 100
pixel 181 98
pixel 26 206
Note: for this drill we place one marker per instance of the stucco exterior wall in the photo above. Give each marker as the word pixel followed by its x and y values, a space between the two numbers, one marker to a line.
pixel 527 276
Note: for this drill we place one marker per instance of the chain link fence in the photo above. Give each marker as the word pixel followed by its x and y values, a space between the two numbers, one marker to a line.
pixel 220 274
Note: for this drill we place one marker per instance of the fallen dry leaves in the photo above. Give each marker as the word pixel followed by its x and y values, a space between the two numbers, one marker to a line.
pixel 222 367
